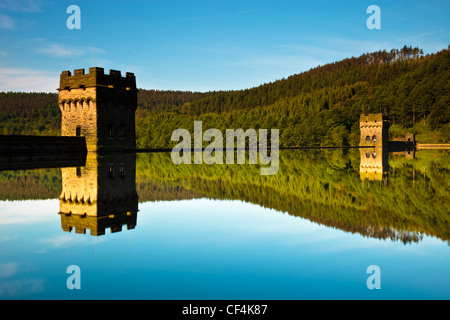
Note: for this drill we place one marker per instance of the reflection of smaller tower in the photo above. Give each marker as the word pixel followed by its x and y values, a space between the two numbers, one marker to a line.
pixel 374 164
pixel 100 195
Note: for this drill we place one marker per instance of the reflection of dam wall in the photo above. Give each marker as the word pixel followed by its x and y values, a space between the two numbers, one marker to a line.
pixel 374 164
pixel 101 194
pixel 21 152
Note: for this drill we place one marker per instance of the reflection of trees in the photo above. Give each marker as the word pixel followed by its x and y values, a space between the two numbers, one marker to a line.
pixel 322 186
pixel 30 184
pixel 325 187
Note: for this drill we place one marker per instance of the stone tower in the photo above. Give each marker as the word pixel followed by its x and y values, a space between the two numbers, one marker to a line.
pixel 374 130
pixel 99 107
pixel 100 195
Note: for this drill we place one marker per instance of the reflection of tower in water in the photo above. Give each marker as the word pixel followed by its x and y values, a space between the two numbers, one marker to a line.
pixel 374 165
pixel 100 195
pixel 101 108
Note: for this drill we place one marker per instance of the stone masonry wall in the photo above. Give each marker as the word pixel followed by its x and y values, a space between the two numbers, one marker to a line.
pixel 374 130
pixel 101 106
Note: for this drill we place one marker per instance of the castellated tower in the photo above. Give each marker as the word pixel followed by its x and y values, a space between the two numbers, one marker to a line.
pixel 99 107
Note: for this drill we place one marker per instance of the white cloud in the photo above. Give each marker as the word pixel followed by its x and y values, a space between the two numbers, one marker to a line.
pixel 6 22
pixel 57 50
pixel 57 241
pixel 8 269
pixel 28 80
pixel 16 288
pixel 35 80
pixel 66 239
pixel 28 212
pixel 23 6
pixel 61 50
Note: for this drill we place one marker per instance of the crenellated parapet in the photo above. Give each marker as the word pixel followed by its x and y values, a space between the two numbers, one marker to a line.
pixel 97 78
pixel 100 107
pixel 371 119
pixel 97 225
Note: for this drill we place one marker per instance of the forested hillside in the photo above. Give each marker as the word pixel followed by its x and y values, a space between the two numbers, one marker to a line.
pixel 29 113
pixel 320 107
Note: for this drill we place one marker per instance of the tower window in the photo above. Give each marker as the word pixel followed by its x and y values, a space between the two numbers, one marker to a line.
pixel 78 131
pixel 122 171
pixel 368 138
pixel 110 131
pixel 78 171
pixel 121 131
pixel 110 172
pixel 374 138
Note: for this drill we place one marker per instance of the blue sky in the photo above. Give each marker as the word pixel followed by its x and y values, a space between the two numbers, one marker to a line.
pixel 204 45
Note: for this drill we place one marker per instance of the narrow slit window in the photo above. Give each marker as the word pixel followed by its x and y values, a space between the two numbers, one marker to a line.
pixel 110 131
pixel 110 172
pixel 121 131
pixel 78 131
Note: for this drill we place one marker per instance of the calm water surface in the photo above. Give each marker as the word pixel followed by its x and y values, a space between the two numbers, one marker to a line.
pixel 225 231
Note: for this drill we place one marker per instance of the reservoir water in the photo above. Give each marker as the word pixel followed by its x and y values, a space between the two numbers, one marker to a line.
pixel 156 230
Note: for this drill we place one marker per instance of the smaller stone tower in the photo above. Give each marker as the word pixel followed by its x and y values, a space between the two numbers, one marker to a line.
pixel 99 107
pixel 374 130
